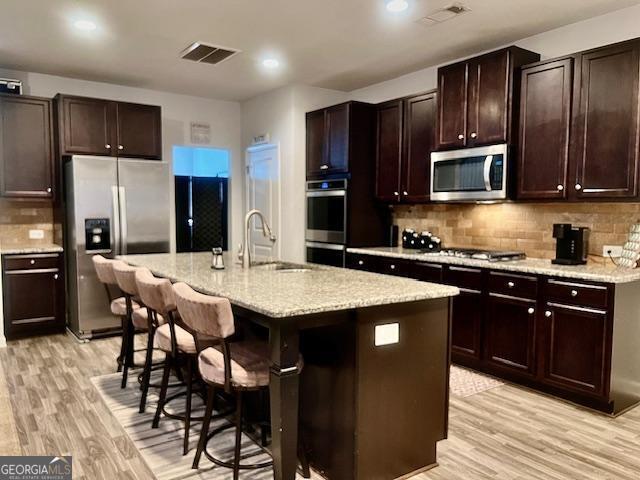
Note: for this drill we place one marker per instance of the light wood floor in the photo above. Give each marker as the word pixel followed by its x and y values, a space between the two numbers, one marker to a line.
pixel 503 433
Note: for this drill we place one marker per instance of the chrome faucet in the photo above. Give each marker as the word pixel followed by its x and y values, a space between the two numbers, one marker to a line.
pixel 244 253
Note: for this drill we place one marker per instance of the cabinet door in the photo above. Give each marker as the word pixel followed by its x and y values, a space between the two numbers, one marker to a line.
pixel 87 126
pixel 32 301
pixel 606 150
pixel 466 321
pixel 488 99
pixel 452 106
pixel 510 333
pixel 139 131
pixel 545 118
pixel 419 142
pixel 337 126
pixel 389 150
pixel 316 153
pixel 576 353
pixel 26 148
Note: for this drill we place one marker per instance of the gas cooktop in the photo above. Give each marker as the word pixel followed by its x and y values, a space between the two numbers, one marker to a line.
pixel 478 254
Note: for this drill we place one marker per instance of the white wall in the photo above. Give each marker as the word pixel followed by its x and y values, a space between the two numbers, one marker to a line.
pixel 603 30
pixel 178 111
pixel 281 113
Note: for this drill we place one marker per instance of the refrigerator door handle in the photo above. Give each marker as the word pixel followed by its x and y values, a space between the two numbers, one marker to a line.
pixel 116 219
pixel 123 219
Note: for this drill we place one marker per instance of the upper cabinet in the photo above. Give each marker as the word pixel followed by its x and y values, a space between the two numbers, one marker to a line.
pixel 476 96
pixel 92 126
pixel 605 157
pixel 579 131
pixel 545 119
pixel 26 147
pixel 335 137
pixel 405 139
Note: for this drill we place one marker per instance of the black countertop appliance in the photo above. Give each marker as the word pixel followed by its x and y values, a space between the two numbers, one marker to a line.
pixel 572 244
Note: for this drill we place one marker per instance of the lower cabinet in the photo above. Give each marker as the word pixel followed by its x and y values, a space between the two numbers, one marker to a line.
pixel 33 295
pixel 575 354
pixel 510 328
pixel 466 322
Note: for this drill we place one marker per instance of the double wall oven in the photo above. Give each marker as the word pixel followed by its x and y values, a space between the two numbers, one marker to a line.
pixel 326 233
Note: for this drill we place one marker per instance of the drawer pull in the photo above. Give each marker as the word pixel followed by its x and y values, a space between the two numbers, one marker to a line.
pixel 461 137
pixel 547 313
pixel 32 262
pixel 55 276
pixel 393 267
pixel 531 310
pixel 511 284
pixel 574 293
pixel 360 262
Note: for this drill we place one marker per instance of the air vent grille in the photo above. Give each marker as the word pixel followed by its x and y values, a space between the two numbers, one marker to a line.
pixel 444 14
pixel 205 53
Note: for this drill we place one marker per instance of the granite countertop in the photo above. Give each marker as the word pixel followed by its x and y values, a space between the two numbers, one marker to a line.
pixel 539 266
pixel 285 294
pixel 30 249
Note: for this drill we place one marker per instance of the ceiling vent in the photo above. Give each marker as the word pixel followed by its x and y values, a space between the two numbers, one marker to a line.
pixel 204 53
pixel 444 14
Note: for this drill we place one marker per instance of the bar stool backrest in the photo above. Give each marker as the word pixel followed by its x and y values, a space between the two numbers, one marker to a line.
pixel 204 314
pixel 126 277
pixel 155 293
pixel 104 269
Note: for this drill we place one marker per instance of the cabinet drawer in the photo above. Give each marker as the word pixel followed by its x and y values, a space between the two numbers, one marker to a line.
pixel 31 262
pixel 426 272
pixel 367 263
pixel 521 286
pixel 392 266
pixel 574 293
pixel 464 277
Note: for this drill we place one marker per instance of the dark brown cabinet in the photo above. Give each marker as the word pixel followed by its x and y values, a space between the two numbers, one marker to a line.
pixel 336 136
pixel 545 119
pixel 606 132
pixel 576 348
pixel 26 147
pixel 33 294
pixel 405 139
pixel 478 98
pixel 510 329
pixel 91 126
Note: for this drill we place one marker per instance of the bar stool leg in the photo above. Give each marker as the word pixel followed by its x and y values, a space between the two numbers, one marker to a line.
pixel 187 417
pixel 146 375
pixel 168 362
pixel 236 455
pixel 122 346
pixel 127 359
pixel 211 395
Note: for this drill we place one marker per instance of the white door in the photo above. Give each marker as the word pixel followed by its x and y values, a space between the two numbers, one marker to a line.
pixel 263 193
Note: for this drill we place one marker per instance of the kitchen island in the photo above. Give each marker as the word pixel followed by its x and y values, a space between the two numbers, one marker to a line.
pixel 372 399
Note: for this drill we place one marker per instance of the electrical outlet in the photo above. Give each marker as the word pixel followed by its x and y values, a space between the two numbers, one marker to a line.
pixel 36 234
pixel 612 250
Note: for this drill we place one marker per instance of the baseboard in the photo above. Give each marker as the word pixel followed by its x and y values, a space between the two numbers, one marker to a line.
pixel 3 341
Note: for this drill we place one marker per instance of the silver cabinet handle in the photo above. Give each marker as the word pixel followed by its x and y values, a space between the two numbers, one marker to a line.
pixel 461 137
pixel 49 190
pixel 32 262
pixel 511 284
pixel 107 146
pixel 360 262
pixel 474 134
pixel 120 147
pixel 531 310
pixel 578 186
pixel 393 267
pixel 560 188
pixel 405 193
pixel 396 194
pixel 55 276
pixel 574 293
pixel 547 313
pixel 324 167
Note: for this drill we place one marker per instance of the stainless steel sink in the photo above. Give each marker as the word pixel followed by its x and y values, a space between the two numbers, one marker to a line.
pixel 283 267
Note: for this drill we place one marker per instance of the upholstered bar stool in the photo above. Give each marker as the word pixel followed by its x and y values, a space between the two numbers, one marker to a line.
pixel 236 367
pixel 117 302
pixel 177 343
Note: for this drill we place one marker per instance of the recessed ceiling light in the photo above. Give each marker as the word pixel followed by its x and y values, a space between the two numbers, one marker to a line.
pixel 85 25
pixel 396 6
pixel 270 63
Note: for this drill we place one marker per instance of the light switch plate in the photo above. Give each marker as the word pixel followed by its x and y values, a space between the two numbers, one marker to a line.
pixel 616 251
pixel 387 334
pixel 36 234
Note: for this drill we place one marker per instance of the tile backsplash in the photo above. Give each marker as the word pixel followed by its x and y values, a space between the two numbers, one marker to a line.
pixel 18 217
pixel 526 227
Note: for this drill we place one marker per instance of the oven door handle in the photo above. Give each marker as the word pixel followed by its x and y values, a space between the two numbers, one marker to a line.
pixel 325 246
pixel 487 172
pixel 327 193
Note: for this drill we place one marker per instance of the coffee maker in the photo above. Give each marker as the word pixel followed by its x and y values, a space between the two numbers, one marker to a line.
pixel 572 244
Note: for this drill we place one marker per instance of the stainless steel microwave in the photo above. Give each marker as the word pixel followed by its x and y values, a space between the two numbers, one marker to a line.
pixel 472 174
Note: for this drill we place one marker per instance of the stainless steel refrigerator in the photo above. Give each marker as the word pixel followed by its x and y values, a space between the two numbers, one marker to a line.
pixel 114 206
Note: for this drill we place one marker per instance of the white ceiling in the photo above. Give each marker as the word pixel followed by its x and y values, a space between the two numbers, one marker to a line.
pixel 339 44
